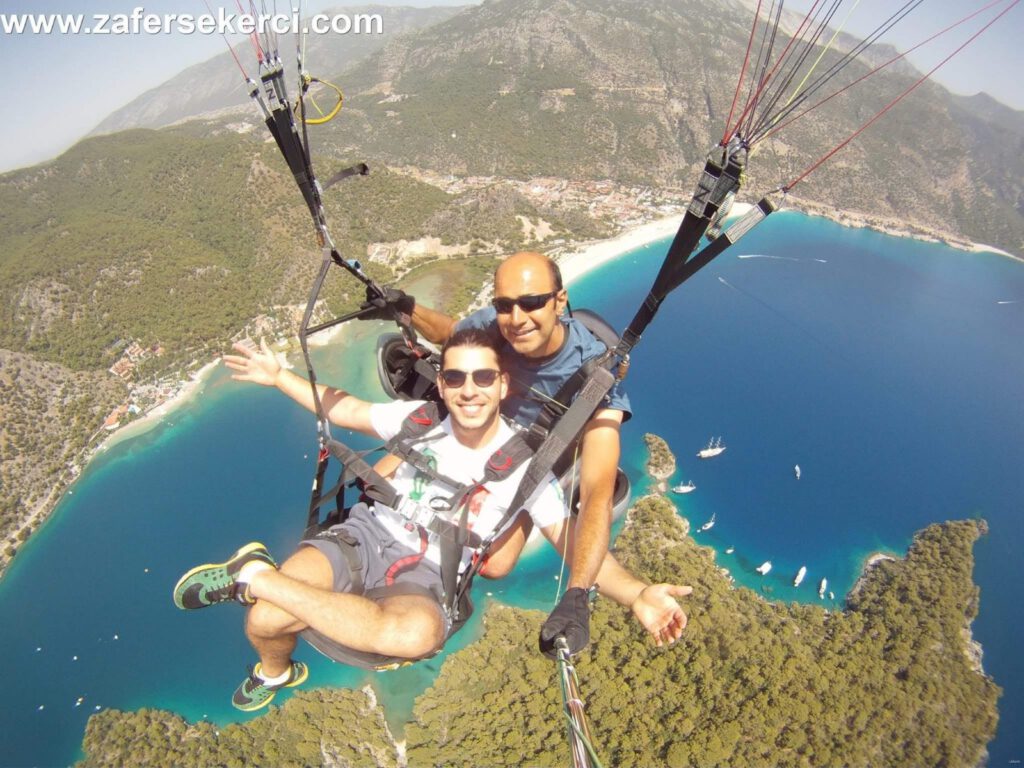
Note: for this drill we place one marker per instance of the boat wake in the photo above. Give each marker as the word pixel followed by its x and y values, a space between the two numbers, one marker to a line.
pixel 766 256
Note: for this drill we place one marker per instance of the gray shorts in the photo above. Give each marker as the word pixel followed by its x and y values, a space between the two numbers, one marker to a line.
pixel 371 551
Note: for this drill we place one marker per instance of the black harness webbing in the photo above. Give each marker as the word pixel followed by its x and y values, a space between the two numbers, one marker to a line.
pixel 721 179
pixel 453 537
pixel 565 432
pixel 375 485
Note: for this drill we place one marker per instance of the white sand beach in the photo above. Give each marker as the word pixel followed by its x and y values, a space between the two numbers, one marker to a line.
pixel 186 393
pixel 589 256
pixel 574 264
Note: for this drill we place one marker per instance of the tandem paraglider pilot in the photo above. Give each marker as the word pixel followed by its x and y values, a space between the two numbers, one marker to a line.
pixel 376 589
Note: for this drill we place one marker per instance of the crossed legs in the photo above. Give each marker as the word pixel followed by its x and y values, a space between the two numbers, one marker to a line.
pixel 301 595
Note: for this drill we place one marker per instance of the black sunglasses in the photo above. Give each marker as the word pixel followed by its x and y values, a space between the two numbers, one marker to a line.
pixel 528 303
pixel 482 377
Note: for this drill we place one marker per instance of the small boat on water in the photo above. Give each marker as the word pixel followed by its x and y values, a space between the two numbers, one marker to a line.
pixel 730 550
pixel 796 471
pixel 684 488
pixel 709 524
pixel 831 595
pixel 800 576
pixel 822 587
pixel 764 567
pixel 714 448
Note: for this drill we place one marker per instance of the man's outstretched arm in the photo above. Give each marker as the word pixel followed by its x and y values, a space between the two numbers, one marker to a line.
pixel 653 605
pixel 599 460
pixel 260 366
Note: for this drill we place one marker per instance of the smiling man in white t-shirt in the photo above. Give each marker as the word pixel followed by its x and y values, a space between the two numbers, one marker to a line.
pixel 373 584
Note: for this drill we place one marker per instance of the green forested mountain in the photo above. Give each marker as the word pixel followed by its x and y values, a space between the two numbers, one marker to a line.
pixel 889 681
pixel 116 236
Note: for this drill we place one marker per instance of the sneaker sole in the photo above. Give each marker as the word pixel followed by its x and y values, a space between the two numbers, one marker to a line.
pixel 247 549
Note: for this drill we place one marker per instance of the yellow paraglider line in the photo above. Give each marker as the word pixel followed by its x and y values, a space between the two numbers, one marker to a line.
pixel 308 80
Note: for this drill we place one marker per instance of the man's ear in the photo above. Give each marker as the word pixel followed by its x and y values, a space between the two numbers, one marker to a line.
pixel 561 301
pixel 504 386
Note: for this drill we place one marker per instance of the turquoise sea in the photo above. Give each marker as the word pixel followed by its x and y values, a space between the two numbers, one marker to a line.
pixel 889 369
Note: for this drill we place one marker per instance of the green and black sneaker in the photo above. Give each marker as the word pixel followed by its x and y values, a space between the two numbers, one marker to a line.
pixel 217 582
pixel 254 693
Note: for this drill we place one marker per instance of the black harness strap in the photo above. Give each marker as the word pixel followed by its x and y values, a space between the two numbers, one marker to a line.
pixel 554 408
pixel 722 177
pixel 349 548
pixel 452 536
pixel 376 486
pixel 359 169
pixel 551 449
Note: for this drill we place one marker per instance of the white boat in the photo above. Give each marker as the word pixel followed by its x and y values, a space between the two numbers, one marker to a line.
pixel 714 448
pixel 730 550
pixel 684 488
pixel 709 524
pixel 822 587
pixel 764 567
pixel 831 595
pixel 796 471
pixel 800 575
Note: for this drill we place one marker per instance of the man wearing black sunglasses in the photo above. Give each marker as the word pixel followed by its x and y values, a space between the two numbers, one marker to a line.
pixel 335 600
pixel 542 349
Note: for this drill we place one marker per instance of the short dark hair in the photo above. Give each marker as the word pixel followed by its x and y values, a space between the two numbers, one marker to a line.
pixel 472 337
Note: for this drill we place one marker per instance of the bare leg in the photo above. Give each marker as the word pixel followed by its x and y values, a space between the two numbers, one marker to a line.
pixel 274 632
pixel 300 595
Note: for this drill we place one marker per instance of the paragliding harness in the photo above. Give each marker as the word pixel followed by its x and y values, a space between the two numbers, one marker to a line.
pixel 430 519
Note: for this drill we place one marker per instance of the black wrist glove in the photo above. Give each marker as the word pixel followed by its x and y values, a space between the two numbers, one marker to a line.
pixel 571 620
pixel 393 300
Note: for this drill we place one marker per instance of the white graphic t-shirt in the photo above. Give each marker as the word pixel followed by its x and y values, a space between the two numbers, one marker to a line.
pixel 450 458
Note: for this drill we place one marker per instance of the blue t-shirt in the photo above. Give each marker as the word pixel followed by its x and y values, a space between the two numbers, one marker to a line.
pixel 535 379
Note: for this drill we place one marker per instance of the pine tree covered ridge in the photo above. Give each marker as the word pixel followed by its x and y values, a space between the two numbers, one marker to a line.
pixel 888 681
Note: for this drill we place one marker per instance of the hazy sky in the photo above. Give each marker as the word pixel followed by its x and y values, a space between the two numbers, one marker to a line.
pixel 60 86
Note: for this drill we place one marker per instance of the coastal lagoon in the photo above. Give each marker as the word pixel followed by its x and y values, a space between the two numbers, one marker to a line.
pixel 888 369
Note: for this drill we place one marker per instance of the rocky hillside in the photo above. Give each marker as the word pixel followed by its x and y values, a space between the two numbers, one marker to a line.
pixel 47 415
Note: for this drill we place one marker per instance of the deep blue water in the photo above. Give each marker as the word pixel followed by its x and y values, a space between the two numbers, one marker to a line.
pixel 884 367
